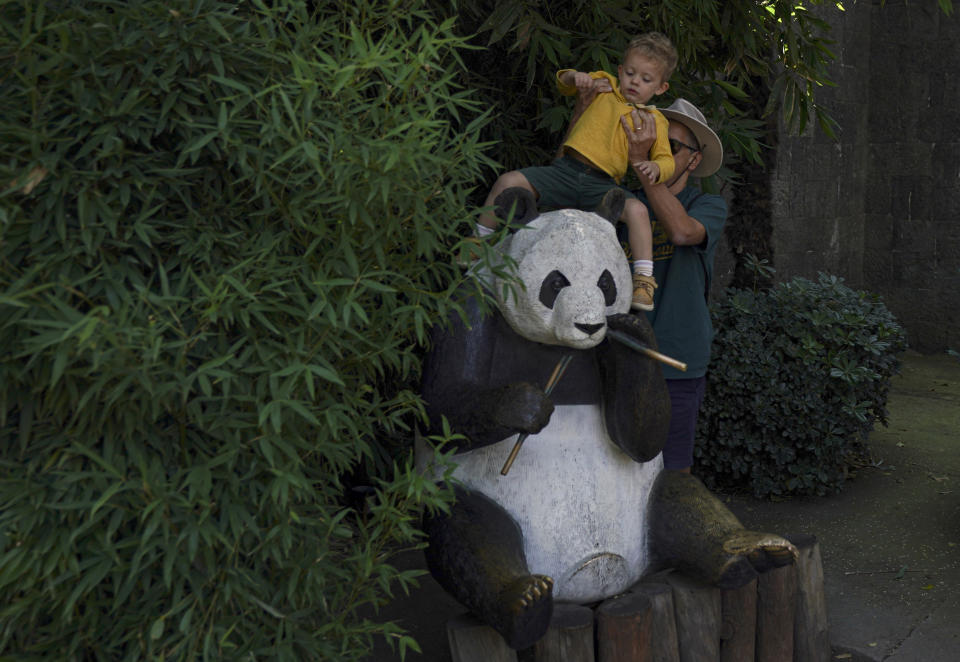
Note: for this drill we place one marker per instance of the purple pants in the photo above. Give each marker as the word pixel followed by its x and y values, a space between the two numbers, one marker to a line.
pixel 685 398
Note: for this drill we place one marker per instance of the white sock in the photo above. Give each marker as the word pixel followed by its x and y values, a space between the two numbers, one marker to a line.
pixel 643 267
pixel 483 231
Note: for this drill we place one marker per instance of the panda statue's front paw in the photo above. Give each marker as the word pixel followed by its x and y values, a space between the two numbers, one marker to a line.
pixel 633 325
pixel 523 407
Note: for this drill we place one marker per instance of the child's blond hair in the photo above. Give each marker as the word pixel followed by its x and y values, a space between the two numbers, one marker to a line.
pixel 656 46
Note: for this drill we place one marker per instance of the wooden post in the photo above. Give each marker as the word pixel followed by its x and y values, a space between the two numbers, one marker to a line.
pixel 473 641
pixel 663 645
pixel 738 630
pixel 570 637
pixel 776 606
pixel 811 637
pixel 624 628
pixel 697 609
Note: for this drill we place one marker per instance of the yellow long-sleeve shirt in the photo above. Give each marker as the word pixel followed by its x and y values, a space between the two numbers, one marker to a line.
pixel 598 136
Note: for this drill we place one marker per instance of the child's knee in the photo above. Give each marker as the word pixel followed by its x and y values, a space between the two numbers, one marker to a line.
pixel 511 179
pixel 635 211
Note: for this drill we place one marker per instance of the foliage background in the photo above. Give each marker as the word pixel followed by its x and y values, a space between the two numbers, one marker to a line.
pixel 225 231
pixel 738 61
pixel 225 228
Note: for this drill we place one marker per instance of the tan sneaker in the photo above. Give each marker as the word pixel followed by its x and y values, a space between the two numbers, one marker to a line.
pixel 643 287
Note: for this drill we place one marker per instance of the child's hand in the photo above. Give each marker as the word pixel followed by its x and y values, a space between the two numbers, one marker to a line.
pixel 585 96
pixel 648 169
pixel 582 81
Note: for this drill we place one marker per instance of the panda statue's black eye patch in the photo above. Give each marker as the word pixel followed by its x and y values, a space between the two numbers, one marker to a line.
pixel 551 286
pixel 608 287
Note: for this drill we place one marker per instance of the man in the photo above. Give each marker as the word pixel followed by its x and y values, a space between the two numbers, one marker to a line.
pixel 687 224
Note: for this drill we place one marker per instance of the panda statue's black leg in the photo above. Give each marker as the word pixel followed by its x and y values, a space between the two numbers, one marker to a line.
pixel 692 528
pixel 476 554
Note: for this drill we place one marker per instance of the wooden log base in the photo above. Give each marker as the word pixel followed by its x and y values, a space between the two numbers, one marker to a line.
pixel 778 617
pixel 664 646
pixel 570 637
pixel 624 629
pixel 471 640
pixel 776 606
pixel 697 607
pixel 811 638
pixel 738 628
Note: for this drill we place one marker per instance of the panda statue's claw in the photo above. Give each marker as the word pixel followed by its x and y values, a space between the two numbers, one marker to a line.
pixel 529 601
pixel 763 550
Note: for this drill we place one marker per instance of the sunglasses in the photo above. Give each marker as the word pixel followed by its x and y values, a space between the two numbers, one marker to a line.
pixel 676 145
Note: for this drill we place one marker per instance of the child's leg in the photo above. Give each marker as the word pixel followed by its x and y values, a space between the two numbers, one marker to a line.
pixel 507 180
pixel 637 218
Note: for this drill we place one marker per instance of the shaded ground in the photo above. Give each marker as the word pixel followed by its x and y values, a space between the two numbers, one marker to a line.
pixel 890 542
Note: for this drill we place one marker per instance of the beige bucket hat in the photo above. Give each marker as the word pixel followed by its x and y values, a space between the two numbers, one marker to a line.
pixel 690 116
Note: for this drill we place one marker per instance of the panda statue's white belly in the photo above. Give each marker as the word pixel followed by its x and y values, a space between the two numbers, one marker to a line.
pixel 581 503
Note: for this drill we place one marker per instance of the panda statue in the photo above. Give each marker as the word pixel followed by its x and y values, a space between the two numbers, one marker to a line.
pixel 586 509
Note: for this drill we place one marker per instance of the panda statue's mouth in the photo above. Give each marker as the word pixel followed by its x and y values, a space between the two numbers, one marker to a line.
pixel 582 336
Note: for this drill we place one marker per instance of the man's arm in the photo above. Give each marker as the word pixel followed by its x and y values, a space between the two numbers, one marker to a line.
pixel 681 228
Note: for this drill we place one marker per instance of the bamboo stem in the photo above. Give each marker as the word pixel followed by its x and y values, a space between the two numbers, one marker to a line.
pixel 621 337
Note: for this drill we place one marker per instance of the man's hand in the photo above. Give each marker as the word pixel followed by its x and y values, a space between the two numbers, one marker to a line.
pixel 640 136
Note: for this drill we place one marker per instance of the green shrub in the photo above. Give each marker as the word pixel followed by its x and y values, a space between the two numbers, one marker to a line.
pixel 798 376
pixel 225 228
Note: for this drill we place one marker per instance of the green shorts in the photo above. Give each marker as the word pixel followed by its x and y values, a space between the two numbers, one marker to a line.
pixel 568 182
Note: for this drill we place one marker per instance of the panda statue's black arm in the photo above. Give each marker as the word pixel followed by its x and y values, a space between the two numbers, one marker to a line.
pixel 636 402
pixel 463 382
pixel 485 417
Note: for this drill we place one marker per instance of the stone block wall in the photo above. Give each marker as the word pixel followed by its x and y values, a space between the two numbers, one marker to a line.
pixel 880 206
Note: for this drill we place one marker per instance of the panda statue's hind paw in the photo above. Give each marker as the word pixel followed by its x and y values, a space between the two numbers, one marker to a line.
pixel 763 550
pixel 529 602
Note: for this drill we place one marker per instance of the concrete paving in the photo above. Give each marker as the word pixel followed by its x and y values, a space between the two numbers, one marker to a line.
pixel 890 541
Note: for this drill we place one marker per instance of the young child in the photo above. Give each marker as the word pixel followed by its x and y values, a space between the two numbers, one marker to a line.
pixel 595 151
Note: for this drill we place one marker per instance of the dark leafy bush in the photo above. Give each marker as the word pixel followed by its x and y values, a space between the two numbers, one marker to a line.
pixel 799 375
pixel 224 230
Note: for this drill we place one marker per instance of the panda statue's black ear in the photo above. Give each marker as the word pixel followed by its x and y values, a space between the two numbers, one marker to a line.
pixel 612 204
pixel 526 205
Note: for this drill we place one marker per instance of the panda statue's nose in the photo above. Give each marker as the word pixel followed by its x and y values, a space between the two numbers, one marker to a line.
pixel 590 329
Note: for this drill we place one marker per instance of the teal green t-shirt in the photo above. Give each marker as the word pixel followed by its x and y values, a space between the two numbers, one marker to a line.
pixel 681 318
